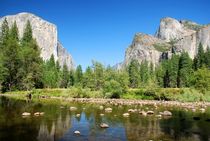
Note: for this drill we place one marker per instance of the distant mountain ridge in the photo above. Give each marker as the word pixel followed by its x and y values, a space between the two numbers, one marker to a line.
pixel 45 34
pixel 171 36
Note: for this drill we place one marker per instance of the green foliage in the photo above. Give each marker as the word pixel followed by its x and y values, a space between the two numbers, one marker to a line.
pixel 4 36
pixel 200 56
pixel 88 78
pixel 27 34
pixel 78 76
pixel 9 57
pixel 65 77
pixel 98 70
pixel 112 89
pixel 207 57
pixel 173 70
pixel 185 70
pixel 162 47
pixel 192 26
pixel 133 71
pixel 144 73
pixel 201 79
pixel 51 73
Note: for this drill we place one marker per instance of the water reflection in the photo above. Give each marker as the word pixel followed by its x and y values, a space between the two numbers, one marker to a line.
pixel 59 124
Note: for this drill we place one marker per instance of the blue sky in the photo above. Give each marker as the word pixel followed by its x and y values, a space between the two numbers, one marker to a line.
pixel 102 29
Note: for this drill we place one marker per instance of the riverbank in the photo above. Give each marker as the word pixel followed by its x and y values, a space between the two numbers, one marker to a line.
pixel 116 102
pixel 159 94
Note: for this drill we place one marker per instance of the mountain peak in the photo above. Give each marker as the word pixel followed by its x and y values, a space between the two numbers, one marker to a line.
pixel 45 34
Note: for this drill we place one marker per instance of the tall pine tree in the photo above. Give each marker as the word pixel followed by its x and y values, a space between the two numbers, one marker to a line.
pixel 30 70
pixel 133 72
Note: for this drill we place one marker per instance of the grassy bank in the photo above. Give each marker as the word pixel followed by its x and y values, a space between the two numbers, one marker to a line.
pixel 169 94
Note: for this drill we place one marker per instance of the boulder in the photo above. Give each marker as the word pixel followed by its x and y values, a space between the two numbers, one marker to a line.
pixel 26 114
pixel 150 112
pixel 126 114
pixel 104 125
pixel 101 107
pixel 108 110
pixel 77 132
pixel 166 113
pixel 73 108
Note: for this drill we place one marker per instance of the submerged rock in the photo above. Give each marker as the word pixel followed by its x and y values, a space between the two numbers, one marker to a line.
pixel 158 116
pixel 73 108
pixel 77 132
pixel 38 113
pixel 108 109
pixel 126 114
pixel 166 113
pixel 202 110
pixel 132 110
pixel 101 107
pixel 150 112
pixel 104 125
pixel 143 113
pixel 26 114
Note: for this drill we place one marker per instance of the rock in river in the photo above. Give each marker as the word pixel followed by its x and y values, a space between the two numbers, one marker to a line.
pixel 126 114
pixel 26 114
pixel 108 109
pixel 77 132
pixel 73 108
pixel 166 113
pixel 150 112
pixel 104 125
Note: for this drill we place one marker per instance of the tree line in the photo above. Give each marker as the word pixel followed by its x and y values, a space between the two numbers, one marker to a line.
pixel 22 68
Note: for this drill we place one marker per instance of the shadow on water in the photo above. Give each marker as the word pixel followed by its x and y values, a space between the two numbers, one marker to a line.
pixel 59 123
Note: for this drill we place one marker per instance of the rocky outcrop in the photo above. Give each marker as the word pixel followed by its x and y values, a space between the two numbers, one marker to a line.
pixel 171 36
pixel 45 34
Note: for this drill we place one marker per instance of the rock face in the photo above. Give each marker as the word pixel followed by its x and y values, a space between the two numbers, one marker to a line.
pixel 171 36
pixel 45 34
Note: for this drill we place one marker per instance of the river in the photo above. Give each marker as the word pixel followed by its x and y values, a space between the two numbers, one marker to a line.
pixel 58 123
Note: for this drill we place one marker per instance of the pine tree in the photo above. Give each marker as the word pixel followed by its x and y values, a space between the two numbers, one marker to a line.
pixel 4 36
pixel 144 72
pixel 78 76
pixel 71 78
pixel 98 70
pixel 30 60
pixel 27 35
pixel 200 56
pixel 133 72
pixel 88 78
pixel 207 57
pixel 10 58
pixel 64 77
pixel 51 73
pixel 173 70
pixel 185 70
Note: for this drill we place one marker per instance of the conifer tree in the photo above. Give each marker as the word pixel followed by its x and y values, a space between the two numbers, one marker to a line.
pixel 10 58
pixel 64 77
pixel 200 56
pixel 78 76
pixel 185 70
pixel 133 72
pixel 30 60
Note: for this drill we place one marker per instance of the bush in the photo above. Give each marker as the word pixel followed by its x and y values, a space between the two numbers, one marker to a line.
pixel 112 89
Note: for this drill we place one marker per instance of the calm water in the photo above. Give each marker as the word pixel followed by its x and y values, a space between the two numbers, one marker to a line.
pixel 59 123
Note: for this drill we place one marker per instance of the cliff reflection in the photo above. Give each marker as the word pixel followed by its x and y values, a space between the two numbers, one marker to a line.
pixel 57 129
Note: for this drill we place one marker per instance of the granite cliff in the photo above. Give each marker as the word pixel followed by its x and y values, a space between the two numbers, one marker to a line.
pixel 45 34
pixel 171 36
